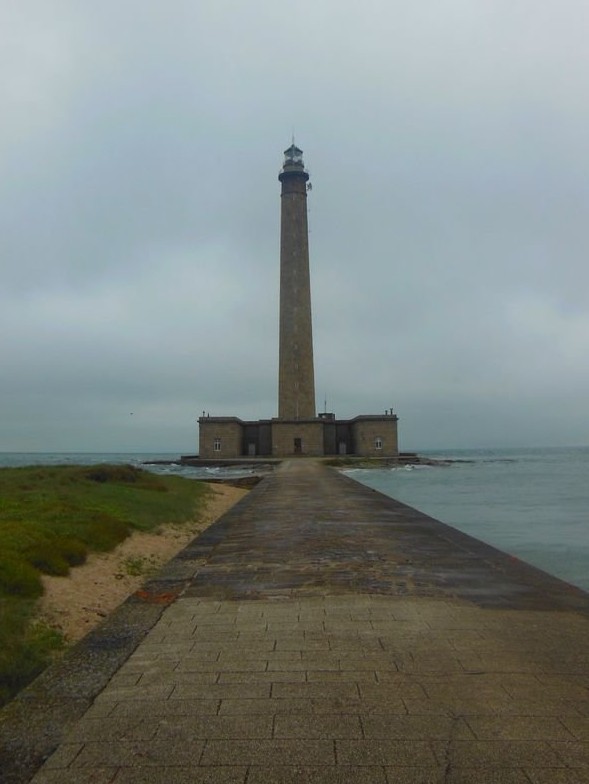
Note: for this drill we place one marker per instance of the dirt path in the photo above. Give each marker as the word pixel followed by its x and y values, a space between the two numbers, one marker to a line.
pixel 78 602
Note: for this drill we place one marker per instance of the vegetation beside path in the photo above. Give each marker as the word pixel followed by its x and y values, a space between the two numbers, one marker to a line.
pixel 50 519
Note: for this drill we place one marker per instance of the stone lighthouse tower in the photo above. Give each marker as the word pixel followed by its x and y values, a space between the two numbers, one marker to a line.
pixel 298 429
pixel 296 379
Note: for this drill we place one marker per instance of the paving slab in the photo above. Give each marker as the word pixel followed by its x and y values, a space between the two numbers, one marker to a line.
pixel 320 632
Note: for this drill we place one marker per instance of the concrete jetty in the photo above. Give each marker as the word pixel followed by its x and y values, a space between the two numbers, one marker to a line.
pixel 320 632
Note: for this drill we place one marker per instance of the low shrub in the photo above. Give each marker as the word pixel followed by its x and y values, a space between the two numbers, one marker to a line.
pixel 44 550
pixel 27 646
pixel 122 474
pixel 103 531
pixel 18 577
pixel 47 558
pixel 73 551
pixel 112 473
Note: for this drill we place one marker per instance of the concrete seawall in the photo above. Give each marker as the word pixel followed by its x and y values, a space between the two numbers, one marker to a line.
pixel 320 632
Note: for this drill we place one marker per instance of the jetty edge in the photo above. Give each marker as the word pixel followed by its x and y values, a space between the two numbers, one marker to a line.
pixel 264 465
pixel 256 468
pixel 320 629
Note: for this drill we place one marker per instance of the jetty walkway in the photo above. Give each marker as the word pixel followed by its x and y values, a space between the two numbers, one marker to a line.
pixel 320 632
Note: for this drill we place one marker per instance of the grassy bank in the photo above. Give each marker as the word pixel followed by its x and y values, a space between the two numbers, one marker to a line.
pixel 50 519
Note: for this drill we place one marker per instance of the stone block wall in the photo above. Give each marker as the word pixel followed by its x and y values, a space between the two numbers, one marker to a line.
pixel 296 384
pixel 366 436
pixel 309 432
pixel 369 431
pixel 226 431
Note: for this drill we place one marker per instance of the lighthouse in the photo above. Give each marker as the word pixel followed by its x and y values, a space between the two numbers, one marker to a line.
pixel 296 377
pixel 298 430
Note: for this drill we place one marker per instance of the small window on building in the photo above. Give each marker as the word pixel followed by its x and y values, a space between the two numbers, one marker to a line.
pixel 378 442
pixel 217 445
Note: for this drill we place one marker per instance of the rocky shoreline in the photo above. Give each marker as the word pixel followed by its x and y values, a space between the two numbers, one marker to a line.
pixel 263 466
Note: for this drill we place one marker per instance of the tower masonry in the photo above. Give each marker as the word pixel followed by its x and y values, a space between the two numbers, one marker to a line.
pixel 297 430
pixel 296 378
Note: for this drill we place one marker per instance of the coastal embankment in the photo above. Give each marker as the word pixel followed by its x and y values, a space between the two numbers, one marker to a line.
pixel 76 604
pixel 75 541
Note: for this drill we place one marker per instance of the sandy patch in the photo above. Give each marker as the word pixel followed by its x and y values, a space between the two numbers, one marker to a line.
pixel 78 602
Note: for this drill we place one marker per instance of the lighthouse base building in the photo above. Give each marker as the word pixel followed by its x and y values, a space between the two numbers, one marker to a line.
pixel 298 430
pixel 365 436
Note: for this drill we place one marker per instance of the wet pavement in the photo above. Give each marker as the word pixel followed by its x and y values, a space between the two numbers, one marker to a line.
pixel 321 632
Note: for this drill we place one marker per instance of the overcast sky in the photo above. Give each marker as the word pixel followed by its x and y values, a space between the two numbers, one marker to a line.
pixel 448 147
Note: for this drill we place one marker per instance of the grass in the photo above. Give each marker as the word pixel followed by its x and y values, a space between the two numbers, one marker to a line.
pixel 50 519
pixel 138 565
pixel 27 646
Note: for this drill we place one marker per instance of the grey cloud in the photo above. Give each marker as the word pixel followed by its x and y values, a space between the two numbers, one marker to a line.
pixel 139 216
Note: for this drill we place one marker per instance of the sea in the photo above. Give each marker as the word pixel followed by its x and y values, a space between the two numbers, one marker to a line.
pixel 531 503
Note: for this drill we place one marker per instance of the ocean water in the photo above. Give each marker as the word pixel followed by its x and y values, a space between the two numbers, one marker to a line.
pixel 164 462
pixel 531 503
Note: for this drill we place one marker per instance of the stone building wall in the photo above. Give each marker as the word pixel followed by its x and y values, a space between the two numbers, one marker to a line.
pixel 257 438
pixel 309 432
pixel 370 431
pixel 224 432
pixel 223 438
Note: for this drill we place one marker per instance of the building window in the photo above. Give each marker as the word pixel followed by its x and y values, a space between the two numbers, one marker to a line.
pixel 378 442
pixel 217 445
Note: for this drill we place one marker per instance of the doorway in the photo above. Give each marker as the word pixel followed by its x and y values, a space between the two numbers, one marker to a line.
pixel 298 446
